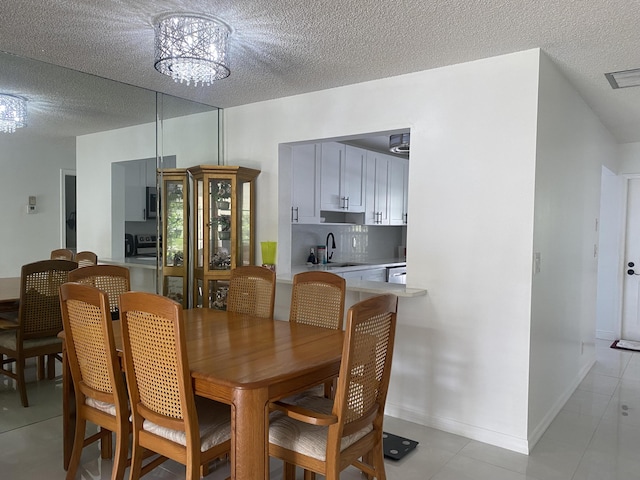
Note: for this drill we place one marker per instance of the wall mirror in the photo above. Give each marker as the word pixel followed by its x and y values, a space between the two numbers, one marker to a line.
pixel 41 159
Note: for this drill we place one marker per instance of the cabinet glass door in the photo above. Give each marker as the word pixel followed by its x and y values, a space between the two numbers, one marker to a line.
pixel 220 231
pixel 245 217
pixel 174 197
pixel 174 239
pixel 199 235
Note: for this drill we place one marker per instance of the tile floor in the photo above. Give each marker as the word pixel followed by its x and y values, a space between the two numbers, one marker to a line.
pixel 596 436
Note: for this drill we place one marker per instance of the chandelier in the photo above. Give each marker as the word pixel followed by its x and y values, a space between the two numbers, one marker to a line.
pixel 191 48
pixel 13 112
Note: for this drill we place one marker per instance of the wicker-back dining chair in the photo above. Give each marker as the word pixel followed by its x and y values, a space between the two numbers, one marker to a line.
pixel 167 417
pixel 325 436
pixel 252 290
pixel 317 298
pixel 112 279
pixel 86 258
pixel 61 254
pixel 39 322
pixel 100 392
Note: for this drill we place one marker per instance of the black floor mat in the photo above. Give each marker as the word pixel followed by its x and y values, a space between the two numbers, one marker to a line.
pixel 396 447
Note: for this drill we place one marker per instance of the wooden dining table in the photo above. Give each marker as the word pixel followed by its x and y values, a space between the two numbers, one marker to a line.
pixel 245 362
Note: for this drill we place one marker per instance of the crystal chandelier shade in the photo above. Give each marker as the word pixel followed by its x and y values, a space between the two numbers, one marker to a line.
pixel 13 112
pixel 191 48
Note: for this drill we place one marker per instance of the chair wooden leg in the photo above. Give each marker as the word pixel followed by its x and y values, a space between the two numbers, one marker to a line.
pixel 51 366
pixel 122 451
pixel 378 462
pixel 40 374
pixel 288 471
pixel 106 443
pixel 78 444
pixel 21 384
pixel 136 460
pixel 309 475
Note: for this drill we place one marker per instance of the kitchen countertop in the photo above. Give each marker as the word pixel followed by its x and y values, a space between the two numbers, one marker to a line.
pixel 360 285
pixel 376 288
pixel 352 267
pixel 147 263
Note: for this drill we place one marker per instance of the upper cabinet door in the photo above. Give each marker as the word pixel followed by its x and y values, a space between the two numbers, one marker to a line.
pixel 398 184
pixel 305 184
pixel 151 172
pixel 377 189
pixel 331 176
pixel 342 178
pixel 355 166
pixel 135 207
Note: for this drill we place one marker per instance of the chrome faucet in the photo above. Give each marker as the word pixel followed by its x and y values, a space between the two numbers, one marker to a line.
pixel 333 246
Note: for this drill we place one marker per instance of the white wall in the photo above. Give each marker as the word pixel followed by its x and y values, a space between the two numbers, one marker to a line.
pixel 572 146
pixel 629 158
pixel 192 139
pixel 462 358
pixel 31 166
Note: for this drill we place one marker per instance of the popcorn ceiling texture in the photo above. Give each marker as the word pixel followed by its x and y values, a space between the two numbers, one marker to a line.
pixel 284 47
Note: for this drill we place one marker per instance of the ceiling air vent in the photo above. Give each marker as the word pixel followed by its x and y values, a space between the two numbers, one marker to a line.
pixel 399 143
pixel 624 79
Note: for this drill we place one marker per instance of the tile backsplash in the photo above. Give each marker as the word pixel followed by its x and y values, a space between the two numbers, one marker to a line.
pixel 355 243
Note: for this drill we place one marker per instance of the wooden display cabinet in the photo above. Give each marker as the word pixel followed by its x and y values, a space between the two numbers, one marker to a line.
pixel 175 234
pixel 224 228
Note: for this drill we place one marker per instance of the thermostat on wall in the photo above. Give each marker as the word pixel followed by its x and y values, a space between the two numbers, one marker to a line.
pixel 31 208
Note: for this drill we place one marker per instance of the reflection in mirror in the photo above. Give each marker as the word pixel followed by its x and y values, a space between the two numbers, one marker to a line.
pixel 77 126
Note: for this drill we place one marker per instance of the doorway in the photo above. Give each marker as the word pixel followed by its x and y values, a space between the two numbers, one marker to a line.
pixel 68 224
pixel 630 318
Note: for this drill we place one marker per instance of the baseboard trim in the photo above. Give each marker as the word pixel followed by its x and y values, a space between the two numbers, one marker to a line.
pixel 497 439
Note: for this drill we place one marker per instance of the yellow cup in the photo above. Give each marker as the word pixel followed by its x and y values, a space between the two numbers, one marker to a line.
pixel 269 252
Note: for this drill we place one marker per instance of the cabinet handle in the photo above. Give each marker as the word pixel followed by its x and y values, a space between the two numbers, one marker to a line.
pixel 294 219
pixel 406 215
pixel 346 202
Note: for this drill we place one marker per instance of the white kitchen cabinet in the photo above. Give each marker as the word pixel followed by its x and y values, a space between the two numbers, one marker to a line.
pixel 342 185
pixel 398 185
pixel 135 191
pixel 150 172
pixel 368 274
pixel 375 275
pixel 139 174
pixel 305 183
pixel 377 189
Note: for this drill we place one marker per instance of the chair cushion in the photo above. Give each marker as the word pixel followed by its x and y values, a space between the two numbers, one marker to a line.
pixel 214 419
pixel 8 340
pixel 317 391
pixel 309 440
pixel 105 407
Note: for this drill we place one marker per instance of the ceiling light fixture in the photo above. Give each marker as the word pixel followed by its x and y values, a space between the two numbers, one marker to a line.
pixel 13 112
pixel 399 143
pixel 624 78
pixel 191 48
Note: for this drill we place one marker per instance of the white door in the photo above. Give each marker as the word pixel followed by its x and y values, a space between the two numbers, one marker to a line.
pixel 631 288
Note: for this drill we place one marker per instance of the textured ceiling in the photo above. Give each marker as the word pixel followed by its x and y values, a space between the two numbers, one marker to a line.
pixel 287 47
